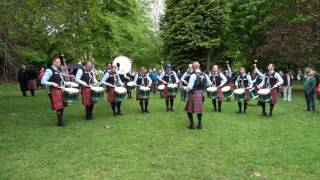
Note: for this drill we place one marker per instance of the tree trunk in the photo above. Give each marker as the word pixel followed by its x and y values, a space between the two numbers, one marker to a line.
pixel 209 58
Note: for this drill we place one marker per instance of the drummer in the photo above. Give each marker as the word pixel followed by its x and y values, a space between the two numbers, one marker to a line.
pixel 244 81
pixel 273 80
pixel 112 80
pixel 229 76
pixel 186 76
pixel 131 78
pixel 86 77
pixel 218 80
pixel 142 79
pixel 197 83
pixel 168 77
pixel 53 77
pixel 124 79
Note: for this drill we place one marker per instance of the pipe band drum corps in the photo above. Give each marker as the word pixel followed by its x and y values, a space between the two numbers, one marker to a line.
pixel 144 92
pixel 97 93
pixel 120 93
pixel 264 95
pixel 212 92
pixel 131 86
pixel 172 89
pixel 239 94
pixel 71 95
pixel 226 91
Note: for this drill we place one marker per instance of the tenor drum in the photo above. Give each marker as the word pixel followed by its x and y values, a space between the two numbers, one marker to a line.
pixel 212 92
pixel 264 95
pixel 71 95
pixel 131 86
pixel 253 93
pixel 144 92
pixel 172 89
pixel 239 94
pixel 71 84
pixel 97 93
pixel 184 95
pixel 120 93
pixel 226 91
pixel 160 89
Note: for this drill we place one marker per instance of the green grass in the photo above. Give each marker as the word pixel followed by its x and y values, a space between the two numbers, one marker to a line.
pixel 156 145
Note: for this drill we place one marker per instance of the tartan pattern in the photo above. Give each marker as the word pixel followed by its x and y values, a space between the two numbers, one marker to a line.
pixel 195 103
pixel 274 94
pixel 86 96
pixel 56 98
pixel 138 94
pixel 165 94
pixel 246 95
pixel 32 84
pixel 219 94
pixel 112 97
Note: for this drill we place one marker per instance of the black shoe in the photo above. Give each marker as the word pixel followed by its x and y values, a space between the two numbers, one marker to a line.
pixel 168 110
pixel 239 112
pixel 219 110
pixel 146 111
pixel 114 114
pixel 214 110
pixel 191 127
pixel 264 114
pixel 199 126
pixel 60 124
pixel 119 113
pixel 171 110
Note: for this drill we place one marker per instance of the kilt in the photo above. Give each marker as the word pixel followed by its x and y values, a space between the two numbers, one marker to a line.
pixel 86 96
pixel 56 98
pixel 138 94
pixel 32 84
pixel 112 96
pixel 274 95
pixel 166 93
pixel 195 103
pixel 219 94
pixel 246 95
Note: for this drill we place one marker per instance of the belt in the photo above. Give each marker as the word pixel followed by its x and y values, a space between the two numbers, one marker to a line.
pixel 196 91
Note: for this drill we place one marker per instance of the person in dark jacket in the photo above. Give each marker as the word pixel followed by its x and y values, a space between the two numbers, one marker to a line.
pixel 22 78
pixel 32 77
pixel 309 90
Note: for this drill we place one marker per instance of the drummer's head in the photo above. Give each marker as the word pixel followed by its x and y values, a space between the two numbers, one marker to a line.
pixel 56 62
pixel 88 65
pixel 168 67
pixel 190 68
pixel 271 67
pixel 242 70
pixel 114 68
pixel 215 68
pixel 196 65
pixel 142 70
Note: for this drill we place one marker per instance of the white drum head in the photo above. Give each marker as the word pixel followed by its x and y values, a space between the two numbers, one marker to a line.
pixel 120 90
pixel 71 90
pixel 173 86
pixel 264 91
pixel 71 84
pixel 239 91
pixel 143 88
pixel 226 89
pixel 212 89
pixel 131 83
pixel 97 89
pixel 161 87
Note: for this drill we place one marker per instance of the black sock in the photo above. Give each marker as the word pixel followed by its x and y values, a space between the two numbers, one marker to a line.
pixel 32 92
pixel 199 115
pixel 171 103
pixel 118 107
pixel 167 104
pixel 219 105
pixel 245 105
pixel 146 103
pixel 87 111
pixel 214 102
pixel 271 108
pixel 263 106
pixel 91 110
pixel 60 117
pixel 141 105
pixel 113 107
pixel 239 105
pixel 191 120
pixel 24 93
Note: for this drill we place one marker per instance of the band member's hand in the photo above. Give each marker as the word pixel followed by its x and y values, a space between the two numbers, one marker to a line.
pixel 55 85
pixel 85 85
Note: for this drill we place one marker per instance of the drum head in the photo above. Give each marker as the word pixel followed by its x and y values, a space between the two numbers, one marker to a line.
pixel 172 86
pixel 131 83
pixel 226 89
pixel 120 90
pixel 97 89
pixel 71 84
pixel 71 90
pixel 264 91
pixel 143 88
pixel 161 87
pixel 212 89
pixel 239 91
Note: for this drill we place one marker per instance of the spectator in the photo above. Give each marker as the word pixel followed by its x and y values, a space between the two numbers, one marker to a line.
pixel 22 78
pixel 309 90
pixel 40 75
pixel 154 78
pixel 32 76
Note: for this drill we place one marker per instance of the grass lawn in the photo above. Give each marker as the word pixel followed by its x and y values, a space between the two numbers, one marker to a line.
pixel 156 145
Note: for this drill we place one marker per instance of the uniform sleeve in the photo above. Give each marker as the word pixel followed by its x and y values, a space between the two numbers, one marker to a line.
pixel 46 77
pixel 237 82
pixel 259 72
pixel 104 79
pixel 149 80
pixel 279 78
pixel 183 76
pixel 135 79
pixel 94 78
pixel 161 76
pixel 224 79
pixel 119 80
pixel 78 77
pixel 191 82
pixel 249 80
pixel 176 77
pixel 208 82
pixel 263 81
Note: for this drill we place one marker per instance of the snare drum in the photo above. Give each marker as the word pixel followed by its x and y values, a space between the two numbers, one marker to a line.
pixel 264 95
pixel 71 84
pixel 131 86
pixel 226 91
pixel 212 92
pixel 120 93
pixel 160 89
pixel 239 94
pixel 184 95
pixel 97 93
pixel 144 92
pixel 253 93
pixel 71 95
pixel 172 89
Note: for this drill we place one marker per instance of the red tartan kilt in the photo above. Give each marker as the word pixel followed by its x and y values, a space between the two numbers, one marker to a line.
pixel 111 95
pixel 86 96
pixel 195 103
pixel 220 94
pixel 166 93
pixel 56 98
pixel 137 93
pixel 274 95
pixel 32 84
pixel 246 95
